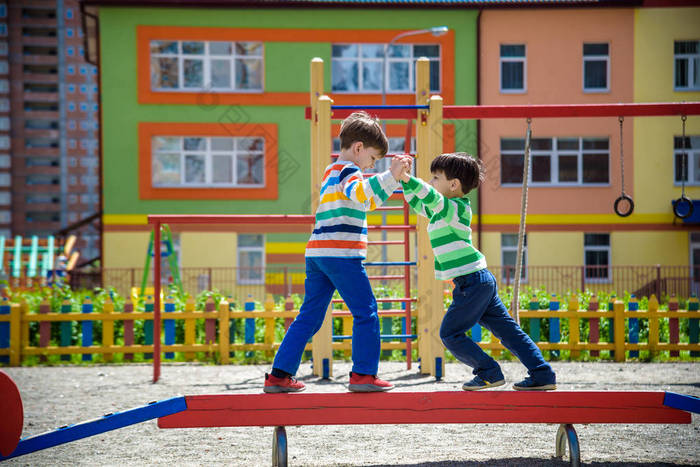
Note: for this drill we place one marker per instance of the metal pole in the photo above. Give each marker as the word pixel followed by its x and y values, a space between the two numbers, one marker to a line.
pixel 156 303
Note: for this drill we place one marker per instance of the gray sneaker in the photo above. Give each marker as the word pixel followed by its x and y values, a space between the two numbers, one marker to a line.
pixel 478 383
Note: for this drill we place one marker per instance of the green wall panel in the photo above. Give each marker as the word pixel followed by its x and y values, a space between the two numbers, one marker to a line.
pixel 286 70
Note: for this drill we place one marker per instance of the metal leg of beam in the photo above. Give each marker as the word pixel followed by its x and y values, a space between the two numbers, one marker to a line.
pixel 279 447
pixel 566 433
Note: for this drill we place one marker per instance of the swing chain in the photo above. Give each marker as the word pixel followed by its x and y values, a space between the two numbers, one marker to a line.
pixel 622 157
pixel 684 156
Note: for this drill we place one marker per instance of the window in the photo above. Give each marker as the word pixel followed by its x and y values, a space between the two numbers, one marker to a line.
pixel 695 260
pixel 513 68
pixel 3 10
pixel 5 161
pixel 4 104
pixel 509 256
pixel 686 169
pixel 4 142
pixel 3 48
pixel 686 55
pixel 251 259
pixel 69 13
pixel 5 123
pixel 557 161
pixel 596 253
pixel 3 29
pixel 358 67
pixel 206 66
pixel 5 198
pixel 70 51
pixel 208 162
pixel 596 67
pixel 71 70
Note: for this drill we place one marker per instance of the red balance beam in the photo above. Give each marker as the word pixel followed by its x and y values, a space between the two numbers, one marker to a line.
pixel 423 407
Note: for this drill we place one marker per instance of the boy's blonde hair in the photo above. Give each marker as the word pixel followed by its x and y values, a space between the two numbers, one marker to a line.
pixel 359 126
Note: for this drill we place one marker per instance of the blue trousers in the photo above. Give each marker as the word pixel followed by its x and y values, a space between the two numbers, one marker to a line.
pixel 323 277
pixel 475 300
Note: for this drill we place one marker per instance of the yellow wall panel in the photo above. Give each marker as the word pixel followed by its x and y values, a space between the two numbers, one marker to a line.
pixel 655 31
pixel 208 249
pixel 125 249
pixel 555 248
pixel 648 248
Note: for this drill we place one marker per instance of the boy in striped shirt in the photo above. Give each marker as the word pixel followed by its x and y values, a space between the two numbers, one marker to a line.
pixel 334 256
pixel 475 296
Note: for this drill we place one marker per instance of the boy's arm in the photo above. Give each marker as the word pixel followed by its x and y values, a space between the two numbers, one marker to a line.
pixel 415 203
pixel 430 199
pixel 372 192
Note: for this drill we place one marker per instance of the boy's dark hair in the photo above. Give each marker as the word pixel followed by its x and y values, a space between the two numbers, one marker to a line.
pixel 460 165
pixel 359 126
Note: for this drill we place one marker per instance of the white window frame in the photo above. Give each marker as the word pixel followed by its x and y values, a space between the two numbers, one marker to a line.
pixel 691 67
pixel 206 67
pixel 596 58
pixel 594 248
pixel 554 154
pixel 692 155
pixel 693 244
pixel 208 154
pixel 250 249
pixel 389 60
pixel 510 249
pixel 503 60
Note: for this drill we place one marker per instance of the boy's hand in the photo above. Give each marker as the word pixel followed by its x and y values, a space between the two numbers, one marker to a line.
pixel 401 167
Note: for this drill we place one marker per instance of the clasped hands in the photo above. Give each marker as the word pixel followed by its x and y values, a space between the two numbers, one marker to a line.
pixel 401 167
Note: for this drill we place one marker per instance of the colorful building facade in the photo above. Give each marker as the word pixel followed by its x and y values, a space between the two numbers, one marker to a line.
pixel 586 56
pixel 203 113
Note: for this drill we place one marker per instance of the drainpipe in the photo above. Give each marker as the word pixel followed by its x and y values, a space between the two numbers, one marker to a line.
pixel 478 127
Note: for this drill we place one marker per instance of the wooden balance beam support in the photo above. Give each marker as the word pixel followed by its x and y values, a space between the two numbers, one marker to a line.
pixel 563 408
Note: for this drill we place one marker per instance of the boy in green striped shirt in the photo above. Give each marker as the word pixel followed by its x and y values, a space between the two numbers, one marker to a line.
pixel 475 295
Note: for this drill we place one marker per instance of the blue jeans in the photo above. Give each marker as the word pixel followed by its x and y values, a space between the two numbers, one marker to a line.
pixel 475 300
pixel 323 277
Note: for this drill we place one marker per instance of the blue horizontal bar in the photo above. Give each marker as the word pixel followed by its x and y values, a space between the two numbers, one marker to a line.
pixel 682 402
pixel 391 263
pixel 97 426
pixel 382 336
pixel 378 107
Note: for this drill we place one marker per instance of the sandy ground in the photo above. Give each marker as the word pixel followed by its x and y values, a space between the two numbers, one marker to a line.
pixel 55 396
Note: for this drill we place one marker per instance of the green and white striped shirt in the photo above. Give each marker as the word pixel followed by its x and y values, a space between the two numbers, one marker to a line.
pixel 449 231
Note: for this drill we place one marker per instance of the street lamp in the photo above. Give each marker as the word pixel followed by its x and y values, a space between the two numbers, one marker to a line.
pixel 436 31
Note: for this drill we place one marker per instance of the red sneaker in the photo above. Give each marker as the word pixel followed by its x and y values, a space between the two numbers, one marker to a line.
pixel 368 383
pixel 273 384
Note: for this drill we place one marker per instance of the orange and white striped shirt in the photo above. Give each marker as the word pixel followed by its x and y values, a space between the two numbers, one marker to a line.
pixel 341 219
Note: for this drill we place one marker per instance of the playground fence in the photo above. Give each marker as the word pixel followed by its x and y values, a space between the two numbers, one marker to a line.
pixel 607 331
pixel 640 280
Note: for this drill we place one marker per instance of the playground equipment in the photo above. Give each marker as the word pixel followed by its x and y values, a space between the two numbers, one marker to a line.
pixel 429 114
pixel 25 262
pixel 169 253
pixel 280 410
pixel 683 206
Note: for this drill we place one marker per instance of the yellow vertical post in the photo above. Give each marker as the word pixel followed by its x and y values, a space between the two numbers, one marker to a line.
pixel 574 334
pixel 269 325
pixel 224 341
pixel 430 290
pixel 15 335
pixel 108 330
pixel 316 91
pixel 322 342
pixel 654 316
pixel 24 307
pixel 347 328
pixel 189 328
pixel 619 316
